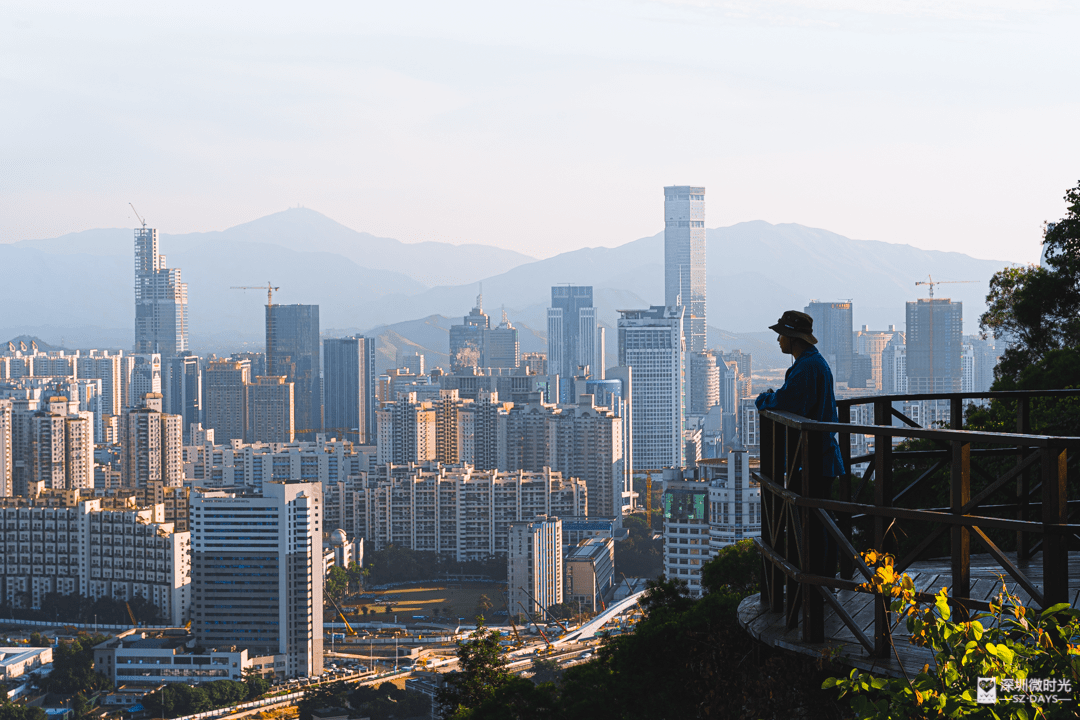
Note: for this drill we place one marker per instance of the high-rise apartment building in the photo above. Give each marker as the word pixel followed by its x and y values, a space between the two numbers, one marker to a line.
pixel 349 377
pixel 145 378
pixel 269 403
pixel 152 447
pixel 572 336
pixel 226 402
pixel 407 431
pixel 458 510
pixel 96 547
pixel 684 259
pixel 833 330
pixel 7 457
pixel 104 366
pixel 704 382
pixel 161 312
pixel 871 343
pixel 181 384
pixel 59 451
pixel 534 565
pixel 935 328
pixel 292 350
pixel 258 573
pixel 894 366
pixel 650 343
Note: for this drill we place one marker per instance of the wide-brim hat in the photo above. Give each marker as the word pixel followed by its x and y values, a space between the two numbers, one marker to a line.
pixel 795 324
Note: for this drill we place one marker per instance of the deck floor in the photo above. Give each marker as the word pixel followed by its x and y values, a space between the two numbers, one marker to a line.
pixel 929 576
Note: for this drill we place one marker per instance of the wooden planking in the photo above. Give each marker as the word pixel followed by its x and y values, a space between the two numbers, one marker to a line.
pixel 929 577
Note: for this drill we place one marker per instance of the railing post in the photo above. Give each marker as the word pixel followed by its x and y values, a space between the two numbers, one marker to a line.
pixel 772 589
pixel 791 538
pixel 812 558
pixel 882 498
pixel 843 520
pixel 960 536
pixel 1023 427
pixel 956 413
pixel 1055 545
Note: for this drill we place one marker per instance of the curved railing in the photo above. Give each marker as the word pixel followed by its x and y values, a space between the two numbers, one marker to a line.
pixel 802 510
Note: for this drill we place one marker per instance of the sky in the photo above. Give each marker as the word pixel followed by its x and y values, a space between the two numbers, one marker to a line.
pixel 543 127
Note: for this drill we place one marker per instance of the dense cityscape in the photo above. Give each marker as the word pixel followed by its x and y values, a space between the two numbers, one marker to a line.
pixel 651 360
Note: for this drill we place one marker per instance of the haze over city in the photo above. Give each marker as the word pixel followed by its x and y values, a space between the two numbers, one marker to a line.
pixel 545 127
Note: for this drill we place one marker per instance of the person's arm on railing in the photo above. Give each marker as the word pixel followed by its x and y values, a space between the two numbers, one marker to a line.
pixel 797 395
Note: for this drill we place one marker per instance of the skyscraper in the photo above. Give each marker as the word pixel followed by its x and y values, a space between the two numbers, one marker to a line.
pixel 269 410
pixel 182 387
pixel 151 446
pixel 258 573
pixel 935 328
pixel 349 375
pixel 292 350
pixel 833 330
pixel 161 313
pixel 572 338
pixel 535 564
pixel 684 258
pixel 467 339
pixel 650 344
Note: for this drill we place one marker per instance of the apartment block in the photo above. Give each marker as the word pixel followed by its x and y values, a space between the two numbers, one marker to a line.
pixel 250 465
pixel 407 431
pixel 456 510
pixel 151 445
pixel 226 405
pixel 269 410
pixel 61 541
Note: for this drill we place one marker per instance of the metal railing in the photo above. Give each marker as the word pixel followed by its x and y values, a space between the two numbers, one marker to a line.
pixel 802 511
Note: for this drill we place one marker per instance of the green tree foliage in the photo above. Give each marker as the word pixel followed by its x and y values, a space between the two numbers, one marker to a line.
pixel 1038 310
pixel 73 667
pixel 11 711
pixel 1009 643
pixel 483 606
pixel 481 672
pixel 322 696
pixel 75 608
pixel 39 640
pixel 395 564
pixel 357 577
pixel 388 702
pixel 639 555
pixel 688 658
pixel 337 582
pixel 737 569
pixel 178 699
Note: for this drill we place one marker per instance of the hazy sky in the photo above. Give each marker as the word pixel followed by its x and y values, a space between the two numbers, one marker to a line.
pixel 544 126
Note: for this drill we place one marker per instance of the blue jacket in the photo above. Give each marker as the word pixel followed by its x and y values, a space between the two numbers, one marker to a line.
pixel 808 391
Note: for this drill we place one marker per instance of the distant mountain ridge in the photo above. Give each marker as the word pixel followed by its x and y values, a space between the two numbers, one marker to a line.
pixel 755 271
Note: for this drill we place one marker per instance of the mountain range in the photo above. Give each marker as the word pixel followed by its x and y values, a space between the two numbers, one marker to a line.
pixel 77 288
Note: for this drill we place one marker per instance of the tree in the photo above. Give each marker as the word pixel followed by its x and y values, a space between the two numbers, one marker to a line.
pixel 482 671
pixel 639 555
pixel 483 605
pixel 1038 308
pixel 73 667
pixel 11 711
pixel 39 640
pixel 736 568
pixel 337 582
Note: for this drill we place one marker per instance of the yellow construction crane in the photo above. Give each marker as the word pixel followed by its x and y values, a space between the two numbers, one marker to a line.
pixel 270 290
pixel 932 282
pixel 648 493
pixel 348 628
pixel 131 615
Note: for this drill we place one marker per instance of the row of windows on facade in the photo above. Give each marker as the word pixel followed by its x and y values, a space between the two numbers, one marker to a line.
pixel 686 223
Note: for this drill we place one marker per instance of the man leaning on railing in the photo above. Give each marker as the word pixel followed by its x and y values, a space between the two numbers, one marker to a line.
pixel 807 391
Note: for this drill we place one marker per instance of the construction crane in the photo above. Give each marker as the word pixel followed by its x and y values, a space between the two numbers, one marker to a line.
pixel 535 624
pixel 270 290
pixel 648 493
pixel 550 617
pixel 932 282
pixel 138 216
pixel 518 642
pixel 131 615
pixel 348 628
